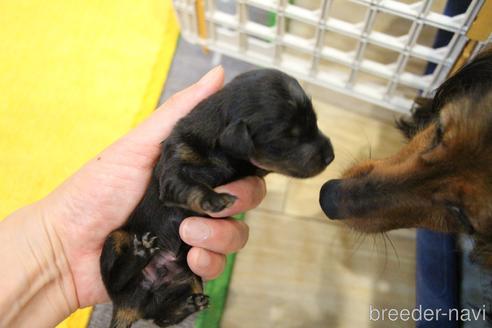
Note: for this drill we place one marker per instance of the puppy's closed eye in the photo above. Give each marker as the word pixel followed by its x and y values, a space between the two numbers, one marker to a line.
pixel 295 131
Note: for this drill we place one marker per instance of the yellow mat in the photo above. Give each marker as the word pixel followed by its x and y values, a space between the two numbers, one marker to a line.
pixel 74 76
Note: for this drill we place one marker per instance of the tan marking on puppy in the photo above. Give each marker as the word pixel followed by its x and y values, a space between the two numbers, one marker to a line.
pixel 196 286
pixel 194 200
pixel 121 240
pixel 187 154
pixel 127 315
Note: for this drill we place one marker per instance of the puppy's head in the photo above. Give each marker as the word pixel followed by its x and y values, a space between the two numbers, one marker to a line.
pixel 271 123
pixel 442 179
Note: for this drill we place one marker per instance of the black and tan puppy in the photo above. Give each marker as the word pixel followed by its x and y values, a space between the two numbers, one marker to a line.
pixel 440 180
pixel 260 122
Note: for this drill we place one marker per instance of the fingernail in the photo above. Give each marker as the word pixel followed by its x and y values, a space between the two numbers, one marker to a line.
pixel 263 187
pixel 203 259
pixel 196 231
pixel 210 76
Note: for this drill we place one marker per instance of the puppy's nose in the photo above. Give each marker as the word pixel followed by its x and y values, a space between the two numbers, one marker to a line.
pixel 328 154
pixel 329 198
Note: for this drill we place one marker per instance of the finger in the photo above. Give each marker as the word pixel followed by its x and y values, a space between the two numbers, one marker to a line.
pixel 206 264
pixel 249 191
pixel 159 125
pixel 222 236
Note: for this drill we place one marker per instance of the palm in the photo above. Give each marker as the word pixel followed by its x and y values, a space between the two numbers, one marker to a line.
pixel 103 194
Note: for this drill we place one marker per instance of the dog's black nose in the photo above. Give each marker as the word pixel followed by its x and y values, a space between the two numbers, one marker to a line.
pixel 328 155
pixel 329 198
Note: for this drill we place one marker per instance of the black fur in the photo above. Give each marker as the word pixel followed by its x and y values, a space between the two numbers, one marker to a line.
pixel 260 122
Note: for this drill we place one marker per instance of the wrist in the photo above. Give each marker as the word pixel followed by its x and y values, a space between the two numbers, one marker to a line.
pixel 37 282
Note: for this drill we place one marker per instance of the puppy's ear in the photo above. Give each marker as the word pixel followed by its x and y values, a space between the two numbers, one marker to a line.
pixel 295 90
pixel 236 140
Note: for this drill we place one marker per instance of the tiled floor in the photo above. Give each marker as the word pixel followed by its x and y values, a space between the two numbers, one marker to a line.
pixel 301 270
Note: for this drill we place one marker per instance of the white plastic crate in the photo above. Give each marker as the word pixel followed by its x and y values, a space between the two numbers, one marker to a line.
pixel 299 42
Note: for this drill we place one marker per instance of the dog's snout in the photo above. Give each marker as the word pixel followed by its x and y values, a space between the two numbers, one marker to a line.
pixel 329 199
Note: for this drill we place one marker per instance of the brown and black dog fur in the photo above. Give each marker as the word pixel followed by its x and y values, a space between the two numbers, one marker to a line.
pixel 260 122
pixel 440 180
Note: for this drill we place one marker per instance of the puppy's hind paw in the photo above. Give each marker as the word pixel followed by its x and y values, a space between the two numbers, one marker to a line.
pixel 144 246
pixel 217 202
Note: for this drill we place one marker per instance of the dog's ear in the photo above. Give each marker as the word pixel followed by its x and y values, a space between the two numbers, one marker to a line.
pixel 423 114
pixel 236 140
pixel 295 90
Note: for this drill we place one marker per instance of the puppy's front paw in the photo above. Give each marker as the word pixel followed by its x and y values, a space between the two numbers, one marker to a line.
pixel 144 246
pixel 214 202
pixel 197 302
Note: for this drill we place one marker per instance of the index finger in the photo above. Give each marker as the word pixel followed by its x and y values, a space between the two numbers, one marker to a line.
pixel 249 191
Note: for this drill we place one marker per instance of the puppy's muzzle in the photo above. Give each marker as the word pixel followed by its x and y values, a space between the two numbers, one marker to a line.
pixel 329 199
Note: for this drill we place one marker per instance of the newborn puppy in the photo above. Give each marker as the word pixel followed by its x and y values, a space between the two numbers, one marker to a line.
pixel 260 122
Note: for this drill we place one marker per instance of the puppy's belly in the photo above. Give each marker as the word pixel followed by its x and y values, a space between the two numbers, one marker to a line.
pixel 161 270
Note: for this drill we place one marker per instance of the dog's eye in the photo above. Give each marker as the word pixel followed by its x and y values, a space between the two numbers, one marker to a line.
pixel 460 214
pixel 439 135
pixel 427 155
pixel 439 132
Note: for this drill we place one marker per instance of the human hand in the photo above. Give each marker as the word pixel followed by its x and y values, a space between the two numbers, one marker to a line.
pixel 102 194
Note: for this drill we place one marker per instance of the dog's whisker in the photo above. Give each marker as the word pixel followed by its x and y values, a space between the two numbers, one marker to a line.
pixel 347 155
pixel 374 247
pixel 385 234
pixel 358 237
pixel 359 240
pixel 385 265
pixel 376 238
